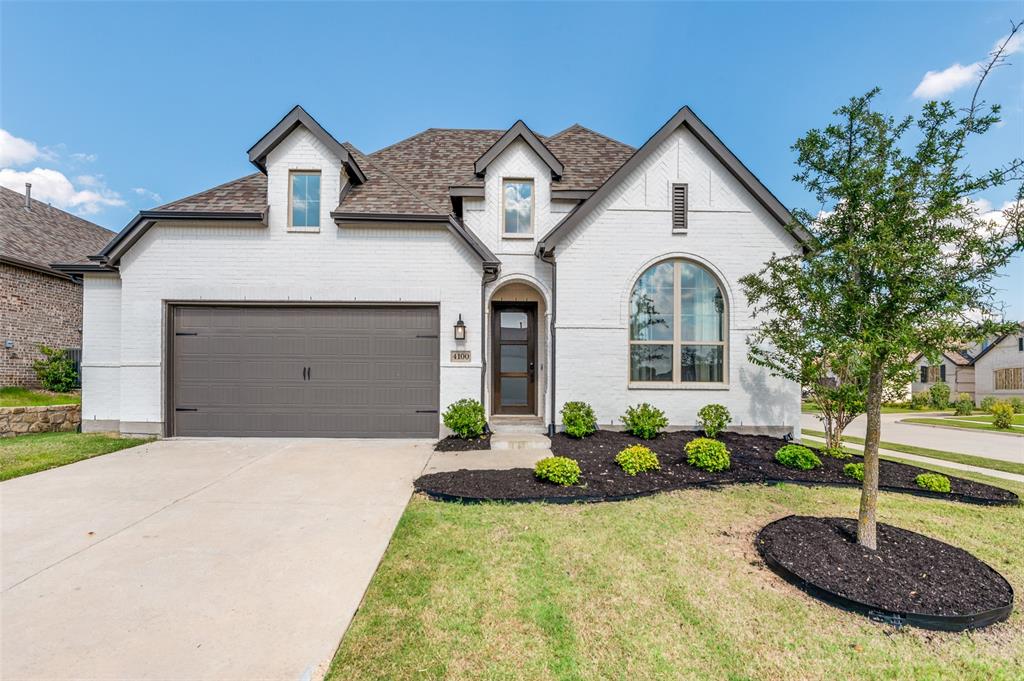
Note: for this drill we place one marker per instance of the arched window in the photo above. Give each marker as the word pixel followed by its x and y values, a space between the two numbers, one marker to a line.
pixel 677 325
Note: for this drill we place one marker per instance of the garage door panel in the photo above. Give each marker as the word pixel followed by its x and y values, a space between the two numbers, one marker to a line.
pixel 373 371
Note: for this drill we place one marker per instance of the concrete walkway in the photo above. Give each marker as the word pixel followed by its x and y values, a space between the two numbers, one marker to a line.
pixel 976 442
pixel 198 558
pixel 928 461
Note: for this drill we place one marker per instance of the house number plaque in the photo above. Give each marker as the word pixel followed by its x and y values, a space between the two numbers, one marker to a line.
pixel 462 355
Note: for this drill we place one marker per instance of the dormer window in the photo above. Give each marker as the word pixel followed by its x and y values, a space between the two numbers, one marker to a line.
pixel 517 207
pixel 304 200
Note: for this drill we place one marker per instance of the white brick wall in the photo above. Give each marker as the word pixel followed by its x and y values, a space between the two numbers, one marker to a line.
pixel 729 232
pixel 1003 356
pixel 101 351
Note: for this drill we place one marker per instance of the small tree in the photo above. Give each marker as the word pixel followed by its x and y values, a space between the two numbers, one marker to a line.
pixel 901 259
pixel 56 371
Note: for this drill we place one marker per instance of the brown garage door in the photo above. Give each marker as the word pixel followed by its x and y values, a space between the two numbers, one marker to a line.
pixel 305 371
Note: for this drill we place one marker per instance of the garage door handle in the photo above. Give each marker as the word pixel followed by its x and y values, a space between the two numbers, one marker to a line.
pixel 185 409
pixel 426 411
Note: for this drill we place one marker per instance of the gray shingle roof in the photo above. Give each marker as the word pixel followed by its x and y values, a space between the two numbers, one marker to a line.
pixel 413 176
pixel 44 235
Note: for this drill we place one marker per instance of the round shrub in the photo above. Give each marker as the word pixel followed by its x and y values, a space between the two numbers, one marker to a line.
pixel 987 403
pixel 933 482
pixel 855 471
pixel 560 470
pixel 1017 404
pixel 57 371
pixel 798 457
pixel 465 418
pixel 964 405
pixel 644 420
pixel 637 459
pixel 578 419
pixel 919 400
pixel 938 395
pixel 836 452
pixel 713 418
pixel 1002 415
pixel 707 454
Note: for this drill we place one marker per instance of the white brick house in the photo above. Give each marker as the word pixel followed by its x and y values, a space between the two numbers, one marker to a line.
pixel 999 368
pixel 338 293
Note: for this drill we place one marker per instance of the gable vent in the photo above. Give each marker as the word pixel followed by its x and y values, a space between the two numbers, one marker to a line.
pixel 679 201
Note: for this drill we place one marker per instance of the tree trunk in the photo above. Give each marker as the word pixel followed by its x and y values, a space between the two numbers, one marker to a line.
pixel 866 520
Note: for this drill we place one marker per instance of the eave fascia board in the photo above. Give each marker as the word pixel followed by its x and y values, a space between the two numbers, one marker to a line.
pixel 79 268
pixel 685 117
pixel 142 222
pixel 466 191
pixel 294 118
pixel 34 267
pixel 452 222
pixel 519 130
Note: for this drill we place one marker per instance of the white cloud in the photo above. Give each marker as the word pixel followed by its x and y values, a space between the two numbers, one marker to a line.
pixel 15 151
pixel 939 83
pixel 52 186
pixel 83 158
pixel 147 193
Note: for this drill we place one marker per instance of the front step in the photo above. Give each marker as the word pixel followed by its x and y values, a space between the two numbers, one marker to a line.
pixel 531 441
pixel 517 424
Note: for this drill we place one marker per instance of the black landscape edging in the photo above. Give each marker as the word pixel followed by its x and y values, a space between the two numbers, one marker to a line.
pixel 596 499
pixel 897 619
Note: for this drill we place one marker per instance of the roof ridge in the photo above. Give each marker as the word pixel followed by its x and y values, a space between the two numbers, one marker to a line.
pixel 206 191
pixel 395 144
pixel 593 132
pixel 409 191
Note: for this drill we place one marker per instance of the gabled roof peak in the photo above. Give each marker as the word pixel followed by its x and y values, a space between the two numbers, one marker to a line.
pixel 297 116
pixel 519 130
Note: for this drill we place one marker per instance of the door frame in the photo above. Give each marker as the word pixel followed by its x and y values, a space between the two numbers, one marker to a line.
pixel 530 308
pixel 167 351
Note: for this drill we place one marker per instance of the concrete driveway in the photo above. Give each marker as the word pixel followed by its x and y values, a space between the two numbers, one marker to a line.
pixel 197 558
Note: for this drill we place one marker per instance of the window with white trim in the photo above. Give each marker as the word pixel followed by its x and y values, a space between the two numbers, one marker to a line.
pixel 677 326
pixel 304 199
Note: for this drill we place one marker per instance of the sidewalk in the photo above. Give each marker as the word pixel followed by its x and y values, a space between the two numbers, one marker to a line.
pixel 927 461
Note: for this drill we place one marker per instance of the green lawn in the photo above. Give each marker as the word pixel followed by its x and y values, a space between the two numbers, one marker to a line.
pixel 21 397
pixel 971 459
pixel 808 407
pixel 32 453
pixel 665 587
pixel 966 425
pixel 1018 419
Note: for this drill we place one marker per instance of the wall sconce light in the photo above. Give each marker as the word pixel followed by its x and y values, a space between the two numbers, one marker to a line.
pixel 460 329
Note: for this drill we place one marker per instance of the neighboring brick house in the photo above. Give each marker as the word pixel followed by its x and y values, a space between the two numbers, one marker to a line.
pixel 999 368
pixel 38 304
pixel 954 368
pixel 337 293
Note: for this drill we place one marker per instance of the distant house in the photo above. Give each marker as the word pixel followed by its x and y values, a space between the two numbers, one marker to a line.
pixel 954 368
pixel 39 305
pixel 999 368
pixel 992 368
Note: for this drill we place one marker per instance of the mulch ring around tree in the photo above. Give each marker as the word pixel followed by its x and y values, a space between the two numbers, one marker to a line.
pixel 908 579
pixel 454 443
pixel 601 478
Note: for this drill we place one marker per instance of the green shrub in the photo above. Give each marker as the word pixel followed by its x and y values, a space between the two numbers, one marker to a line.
pixel 987 403
pixel 798 457
pixel 578 419
pixel 933 482
pixel 964 405
pixel 465 418
pixel 644 421
pixel 713 418
pixel 855 471
pixel 56 371
pixel 637 459
pixel 560 470
pixel 919 400
pixel 707 454
pixel 938 395
pixel 1002 415
pixel 836 452
pixel 1017 404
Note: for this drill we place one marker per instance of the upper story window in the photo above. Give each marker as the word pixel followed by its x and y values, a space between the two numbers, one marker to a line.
pixel 677 321
pixel 304 199
pixel 517 207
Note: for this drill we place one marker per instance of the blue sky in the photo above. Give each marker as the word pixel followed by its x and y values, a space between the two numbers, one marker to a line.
pixel 117 107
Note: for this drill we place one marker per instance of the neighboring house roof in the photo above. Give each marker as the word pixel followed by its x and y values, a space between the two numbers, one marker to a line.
pixel 684 117
pixel 955 356
pixel 997 341
pixel 38 236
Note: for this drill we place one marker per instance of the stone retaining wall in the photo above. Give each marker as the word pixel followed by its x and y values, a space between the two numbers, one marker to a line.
pixel 48 419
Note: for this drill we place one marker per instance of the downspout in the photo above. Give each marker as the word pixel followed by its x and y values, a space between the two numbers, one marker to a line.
pixel 490 275
pixel 549 257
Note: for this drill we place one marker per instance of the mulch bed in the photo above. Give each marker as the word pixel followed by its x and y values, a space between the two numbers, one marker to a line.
pixel 454 443
pixel 602 480
pixel 909 578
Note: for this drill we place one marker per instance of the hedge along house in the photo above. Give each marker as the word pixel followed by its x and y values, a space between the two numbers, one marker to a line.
pixel 336 293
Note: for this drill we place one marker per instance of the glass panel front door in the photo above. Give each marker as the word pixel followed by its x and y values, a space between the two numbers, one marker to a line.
pixel 514 351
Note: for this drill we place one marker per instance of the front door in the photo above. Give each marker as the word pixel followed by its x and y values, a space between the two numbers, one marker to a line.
pixel 514 356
